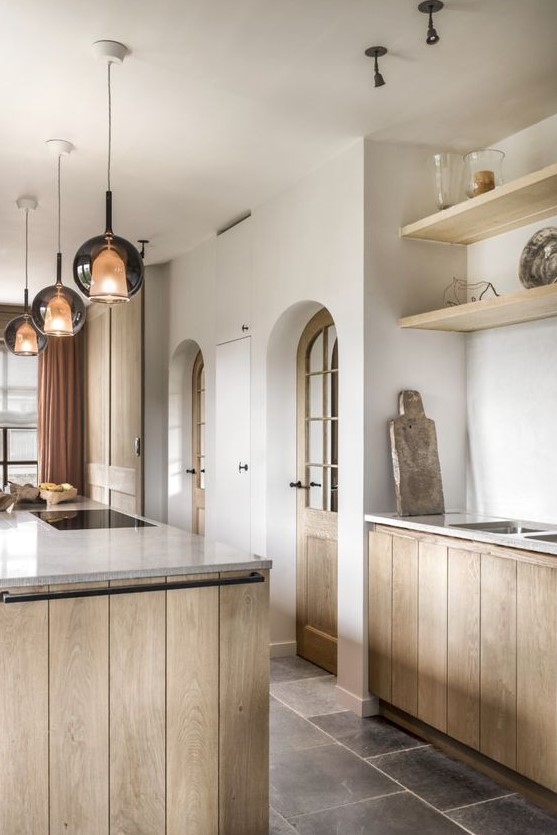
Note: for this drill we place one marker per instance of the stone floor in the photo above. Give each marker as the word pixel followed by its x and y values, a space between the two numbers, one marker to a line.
pixel 333 773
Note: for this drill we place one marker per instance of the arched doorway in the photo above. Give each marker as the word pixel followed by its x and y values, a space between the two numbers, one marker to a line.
pixel 198 444
pixel 317 492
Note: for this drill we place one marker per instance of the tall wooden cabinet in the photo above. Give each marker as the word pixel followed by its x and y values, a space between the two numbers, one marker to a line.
pixel 463 636
pixel 114 405
pixel 142 713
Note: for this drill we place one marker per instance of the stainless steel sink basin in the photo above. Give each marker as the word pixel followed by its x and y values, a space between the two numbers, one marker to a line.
pixel 496 527
pixel 545 537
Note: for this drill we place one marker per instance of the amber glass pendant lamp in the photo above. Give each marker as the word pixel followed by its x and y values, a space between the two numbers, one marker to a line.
pixel 108 268
pixel 58 310
pixel 21 335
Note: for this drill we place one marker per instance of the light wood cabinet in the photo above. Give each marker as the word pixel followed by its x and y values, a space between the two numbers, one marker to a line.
pixel 473 651
pixel 141 713
pixel 114 405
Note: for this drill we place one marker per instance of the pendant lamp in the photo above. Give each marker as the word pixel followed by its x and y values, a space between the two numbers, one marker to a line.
pixel 107 268
pixel 21 335
pixel 58 310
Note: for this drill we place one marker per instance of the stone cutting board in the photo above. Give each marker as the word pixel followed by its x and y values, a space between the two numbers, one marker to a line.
pixel 417 473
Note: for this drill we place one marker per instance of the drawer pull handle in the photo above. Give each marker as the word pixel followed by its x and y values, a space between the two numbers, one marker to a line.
pixel 9 597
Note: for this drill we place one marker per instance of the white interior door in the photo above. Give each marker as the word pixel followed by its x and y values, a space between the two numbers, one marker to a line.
pixel 232 451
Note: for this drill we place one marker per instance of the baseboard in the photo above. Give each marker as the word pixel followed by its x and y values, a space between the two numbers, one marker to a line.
pixel 281 650
pixel 361 707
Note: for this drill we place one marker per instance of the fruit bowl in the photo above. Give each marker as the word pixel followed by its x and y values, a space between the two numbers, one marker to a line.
pixel 58 493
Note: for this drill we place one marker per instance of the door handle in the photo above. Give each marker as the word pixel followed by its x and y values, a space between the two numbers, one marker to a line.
pixel 298 485
pixel 137 446
pixel 242 467
pixel 191 472
pixel 314 484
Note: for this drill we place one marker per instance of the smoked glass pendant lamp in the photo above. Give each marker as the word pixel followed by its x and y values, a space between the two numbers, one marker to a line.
pixel 108 268
pixel 58 310
pixel 21 335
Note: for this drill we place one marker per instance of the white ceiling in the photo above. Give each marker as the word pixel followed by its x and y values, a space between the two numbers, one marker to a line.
pixel 222 104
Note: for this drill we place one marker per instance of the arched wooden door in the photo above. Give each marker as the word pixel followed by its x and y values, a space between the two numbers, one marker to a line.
pixel 317 496
pixel 198 444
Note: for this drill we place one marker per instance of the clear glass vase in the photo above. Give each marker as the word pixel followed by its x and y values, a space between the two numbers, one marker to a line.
pixel 447 179
pixel 483 171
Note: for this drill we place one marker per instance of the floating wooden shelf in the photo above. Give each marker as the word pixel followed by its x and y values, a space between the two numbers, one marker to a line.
pixel 524 306
pixel 526 200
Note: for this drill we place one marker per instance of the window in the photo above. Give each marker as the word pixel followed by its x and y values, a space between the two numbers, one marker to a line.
pixel 18 418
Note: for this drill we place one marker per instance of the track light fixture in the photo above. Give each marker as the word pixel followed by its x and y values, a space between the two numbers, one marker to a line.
pixel 58 310
pixel 375 52
pixel 142 241
pixel 429 7
pixel 107 268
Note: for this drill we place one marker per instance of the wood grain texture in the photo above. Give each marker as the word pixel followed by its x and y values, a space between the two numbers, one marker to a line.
pixel 126 395
pixel 97 402
pixel 405 624
pixel 463 647
pixel 244 709
pixel 509 309
pixel 137 711
pixel 498 660
pixel 78 640
pixel 432 632
pixel 380 613
pixel 24 718
pixel 192 700
pixel 537 674
pixel 526 200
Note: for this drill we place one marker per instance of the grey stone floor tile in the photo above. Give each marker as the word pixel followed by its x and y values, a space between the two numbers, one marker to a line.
pixel 321 778
pixel 507 816
pixel 278 825
pixel 396 814
pixel 292 667
pixel 437 778
pixel 367 737
pixel 308 697
pixel 290 732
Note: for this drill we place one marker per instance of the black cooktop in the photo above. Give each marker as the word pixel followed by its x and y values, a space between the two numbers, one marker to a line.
pixel 80 520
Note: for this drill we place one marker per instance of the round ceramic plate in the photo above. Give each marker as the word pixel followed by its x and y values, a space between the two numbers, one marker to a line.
pixel 538 262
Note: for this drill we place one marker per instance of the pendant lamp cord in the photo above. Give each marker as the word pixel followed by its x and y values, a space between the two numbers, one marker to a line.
pixel 26 294
pixel 109 123
pixel 59 201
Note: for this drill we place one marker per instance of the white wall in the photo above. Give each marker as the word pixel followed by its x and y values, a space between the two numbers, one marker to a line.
pixel 405 277
pixel 155 427
pixel 512 384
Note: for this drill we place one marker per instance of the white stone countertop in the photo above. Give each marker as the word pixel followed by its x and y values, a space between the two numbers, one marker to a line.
pixel 448 525
pixel 33 553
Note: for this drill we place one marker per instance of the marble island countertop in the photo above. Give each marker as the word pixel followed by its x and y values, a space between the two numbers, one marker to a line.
pixel 449 524
pixel 34 553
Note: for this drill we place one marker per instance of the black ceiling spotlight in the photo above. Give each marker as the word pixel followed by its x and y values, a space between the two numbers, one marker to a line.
pixel 142 241
pixel 429 7
pixel 375 52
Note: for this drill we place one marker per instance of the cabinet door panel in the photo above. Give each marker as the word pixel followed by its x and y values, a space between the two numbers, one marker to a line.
pixel 192 710
pixel 498 659
pixel 244 709
pixel 137 712
pixel 24 718
pixel 79 715
pixel 463 645
pixel 432 632
pixel 405 624
pixel 537 673
pixel 380 613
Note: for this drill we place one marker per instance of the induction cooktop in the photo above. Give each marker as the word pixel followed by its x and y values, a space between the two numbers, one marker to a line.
pixel 80 520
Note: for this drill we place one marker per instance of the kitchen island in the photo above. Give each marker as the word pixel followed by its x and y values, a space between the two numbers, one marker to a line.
pixel 463 639
pixel 134 666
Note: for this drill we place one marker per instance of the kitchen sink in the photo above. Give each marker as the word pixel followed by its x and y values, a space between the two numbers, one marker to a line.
pixel 497 527
pixel 545 537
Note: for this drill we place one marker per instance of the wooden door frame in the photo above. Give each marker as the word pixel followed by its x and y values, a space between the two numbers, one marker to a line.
pixel 318 322
pixel 197 491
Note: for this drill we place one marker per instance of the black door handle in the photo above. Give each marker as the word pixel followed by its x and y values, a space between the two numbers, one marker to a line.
pixel 191 472
pixel 298 485
pixel 314 484
pixel 242 467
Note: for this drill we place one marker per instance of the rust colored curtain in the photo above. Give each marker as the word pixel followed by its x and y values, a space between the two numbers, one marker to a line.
pixel 60 411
